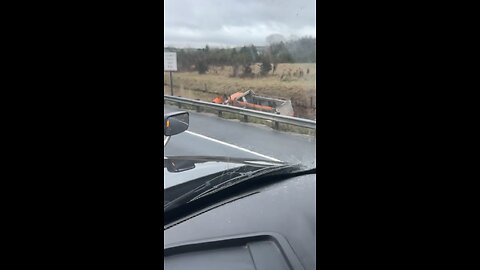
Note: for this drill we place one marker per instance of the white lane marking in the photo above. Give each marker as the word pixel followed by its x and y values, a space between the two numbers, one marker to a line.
pixel 231 145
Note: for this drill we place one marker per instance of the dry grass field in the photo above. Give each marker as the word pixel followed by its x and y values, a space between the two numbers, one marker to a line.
pixel 301 90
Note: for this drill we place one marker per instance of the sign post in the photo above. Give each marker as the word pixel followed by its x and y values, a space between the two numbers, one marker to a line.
pixel 171 84
pixel 170 64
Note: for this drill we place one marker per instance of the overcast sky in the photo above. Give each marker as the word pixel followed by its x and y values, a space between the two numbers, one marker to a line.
pixel 227 23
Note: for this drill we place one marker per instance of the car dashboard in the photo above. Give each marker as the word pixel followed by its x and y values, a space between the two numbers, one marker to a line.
pixel 271 228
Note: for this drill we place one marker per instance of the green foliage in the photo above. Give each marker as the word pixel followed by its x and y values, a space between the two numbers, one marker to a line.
pixel 202 67
pixel 265 68
pixel 247 71
pixel 302 50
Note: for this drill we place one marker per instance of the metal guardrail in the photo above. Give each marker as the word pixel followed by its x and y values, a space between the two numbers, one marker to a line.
pixel 275 118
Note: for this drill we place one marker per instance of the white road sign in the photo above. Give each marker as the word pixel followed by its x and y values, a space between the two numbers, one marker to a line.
pixel 170 61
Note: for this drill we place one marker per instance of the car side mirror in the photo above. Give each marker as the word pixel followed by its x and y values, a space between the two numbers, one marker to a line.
pixel 175 123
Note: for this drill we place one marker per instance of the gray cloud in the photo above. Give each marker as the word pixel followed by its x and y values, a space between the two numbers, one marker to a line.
pixel 195 23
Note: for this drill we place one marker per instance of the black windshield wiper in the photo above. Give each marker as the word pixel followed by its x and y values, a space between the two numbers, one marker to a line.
pixel 207 196
pixel 188 195
pixel 232 176
pixel 210 187
pixel 244 177
pixel 280 173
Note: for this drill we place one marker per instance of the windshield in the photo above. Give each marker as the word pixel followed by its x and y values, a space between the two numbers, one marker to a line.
pixel 245 71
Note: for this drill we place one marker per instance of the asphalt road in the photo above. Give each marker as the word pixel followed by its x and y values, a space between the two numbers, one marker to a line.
pixel 211 135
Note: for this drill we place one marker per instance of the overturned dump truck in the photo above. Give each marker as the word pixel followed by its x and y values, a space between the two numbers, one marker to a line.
pixel 250 100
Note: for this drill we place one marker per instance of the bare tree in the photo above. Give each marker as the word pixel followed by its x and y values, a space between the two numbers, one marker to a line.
pixel 275 38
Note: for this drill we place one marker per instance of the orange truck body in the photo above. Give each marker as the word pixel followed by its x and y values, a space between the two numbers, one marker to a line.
pixel 252 101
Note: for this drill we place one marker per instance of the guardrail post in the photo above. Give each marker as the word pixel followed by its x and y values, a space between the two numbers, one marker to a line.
pixel 245 118
pixel 198 108
pixel 179 105
pixel 219 113
pixel 275 125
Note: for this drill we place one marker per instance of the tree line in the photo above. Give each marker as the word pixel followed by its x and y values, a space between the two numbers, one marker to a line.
pixel 302 50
